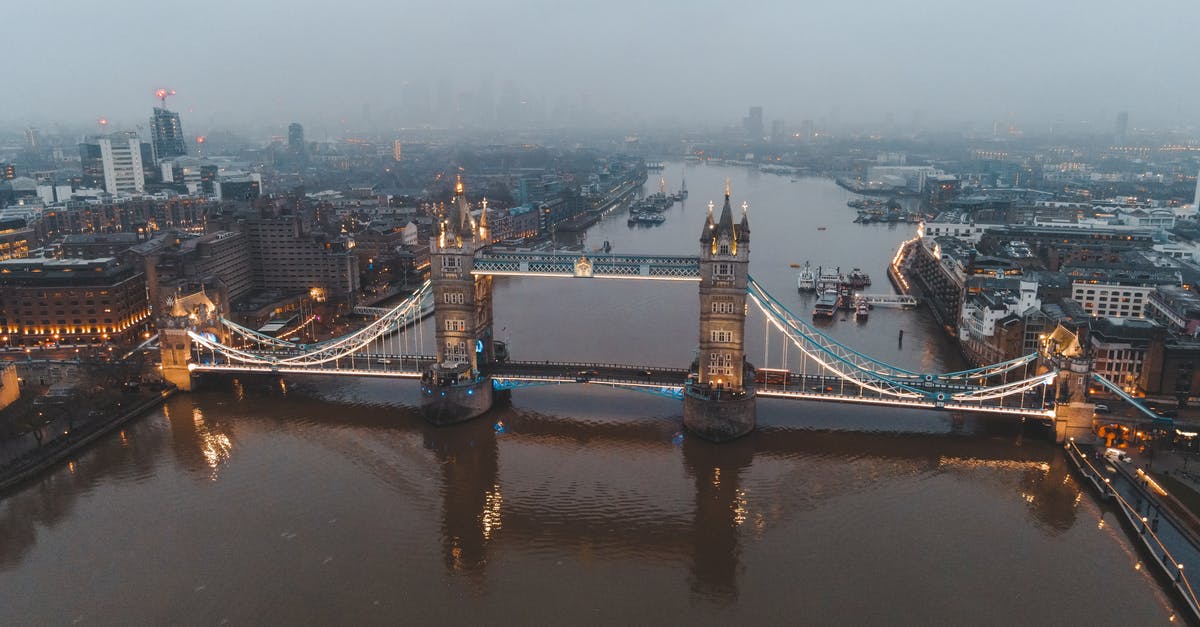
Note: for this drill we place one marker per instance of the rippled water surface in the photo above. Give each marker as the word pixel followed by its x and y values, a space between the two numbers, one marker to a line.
pixel 324 500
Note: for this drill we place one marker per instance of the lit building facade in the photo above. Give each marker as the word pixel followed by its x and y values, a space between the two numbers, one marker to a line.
pixel 71 301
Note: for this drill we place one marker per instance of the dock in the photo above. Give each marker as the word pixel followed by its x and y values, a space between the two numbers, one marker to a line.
pixel 902 301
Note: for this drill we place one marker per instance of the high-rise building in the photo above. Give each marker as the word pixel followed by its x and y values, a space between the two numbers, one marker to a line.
pixel 121 167
pixel 296 138
pixel 1122 128
pixel 397 150
pixel 32 138
pixel 753 123
pixel 167 134
pixel 1196 200
pixel 778 132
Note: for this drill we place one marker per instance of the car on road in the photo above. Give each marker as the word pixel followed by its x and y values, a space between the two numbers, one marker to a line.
pixel 1115 455
pixel 1102 409
pixel 583 376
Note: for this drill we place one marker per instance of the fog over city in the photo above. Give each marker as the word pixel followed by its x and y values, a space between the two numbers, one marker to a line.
pixel 359 65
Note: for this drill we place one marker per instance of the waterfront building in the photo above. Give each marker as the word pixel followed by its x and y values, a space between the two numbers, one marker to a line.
pixel 71 301
pixel 950 225
pixel 991 326
pixel 910 177
pixel 167 134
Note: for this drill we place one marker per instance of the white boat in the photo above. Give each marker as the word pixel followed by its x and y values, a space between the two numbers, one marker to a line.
pixel 861 310
pixel 806 281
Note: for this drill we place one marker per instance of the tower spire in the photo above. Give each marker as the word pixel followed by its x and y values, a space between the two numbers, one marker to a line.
pixel 727 189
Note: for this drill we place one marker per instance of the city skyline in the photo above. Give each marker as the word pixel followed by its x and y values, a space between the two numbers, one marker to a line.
pixel 368 66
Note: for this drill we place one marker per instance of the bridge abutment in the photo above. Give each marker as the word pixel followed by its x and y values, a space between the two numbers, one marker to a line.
pixel 719 418
pixel 1074 421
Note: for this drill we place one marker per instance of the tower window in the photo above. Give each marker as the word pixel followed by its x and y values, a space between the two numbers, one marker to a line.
pixel 722 270
pixel 722 306
pixel 724 248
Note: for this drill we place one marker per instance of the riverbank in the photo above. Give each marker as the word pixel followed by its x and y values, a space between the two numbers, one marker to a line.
pixel 50 454
pixel 1149 519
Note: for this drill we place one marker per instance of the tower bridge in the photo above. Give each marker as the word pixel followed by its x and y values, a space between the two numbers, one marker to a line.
pixel 718 391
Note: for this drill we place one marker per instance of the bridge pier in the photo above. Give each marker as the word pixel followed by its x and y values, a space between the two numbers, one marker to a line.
pixel 719 416
pixel 452 395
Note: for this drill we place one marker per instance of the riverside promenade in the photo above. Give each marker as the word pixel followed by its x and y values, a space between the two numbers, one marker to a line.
pixel 17 470
pixel 1166 536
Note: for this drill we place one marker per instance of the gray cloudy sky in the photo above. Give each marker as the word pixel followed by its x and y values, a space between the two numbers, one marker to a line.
pixel 334 63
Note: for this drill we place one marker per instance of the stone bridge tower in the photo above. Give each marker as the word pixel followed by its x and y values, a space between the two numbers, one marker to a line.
pixel 454 389
pixel 185 313
pixel 719 404
pixel 1074 413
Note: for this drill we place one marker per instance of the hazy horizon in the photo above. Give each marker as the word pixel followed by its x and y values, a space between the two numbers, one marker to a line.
pixel 375 65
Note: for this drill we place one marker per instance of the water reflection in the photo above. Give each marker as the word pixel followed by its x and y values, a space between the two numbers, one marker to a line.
pixel 200 444
pixel 716 472
pixel 468 458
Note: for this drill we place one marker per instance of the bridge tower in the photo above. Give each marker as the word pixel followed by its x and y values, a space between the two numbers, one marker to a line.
pixel 718 404
pixel 1074 413
pixel 186 312
pixel 175 348
pixel 454 389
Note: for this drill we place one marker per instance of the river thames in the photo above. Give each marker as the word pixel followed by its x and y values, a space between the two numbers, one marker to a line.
pixel 325 500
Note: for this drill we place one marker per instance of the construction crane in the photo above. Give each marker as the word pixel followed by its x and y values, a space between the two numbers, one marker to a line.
pixel 162 94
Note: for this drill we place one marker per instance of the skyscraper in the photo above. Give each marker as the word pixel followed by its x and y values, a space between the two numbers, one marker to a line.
pixel 1122 128
pixel 295 136
pixel 753 123
pixel 119 160
pixel 296 141
pixel 167 134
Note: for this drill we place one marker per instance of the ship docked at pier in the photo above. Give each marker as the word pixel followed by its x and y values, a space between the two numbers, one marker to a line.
pixel 824 278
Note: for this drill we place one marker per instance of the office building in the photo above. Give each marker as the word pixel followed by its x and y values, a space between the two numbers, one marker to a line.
pixel 167 134
pixel 753 123
pixel 114 161
pixel 296 146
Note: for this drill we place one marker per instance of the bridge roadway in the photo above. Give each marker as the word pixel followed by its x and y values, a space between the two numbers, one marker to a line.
pixel 660 380
pixel 582 372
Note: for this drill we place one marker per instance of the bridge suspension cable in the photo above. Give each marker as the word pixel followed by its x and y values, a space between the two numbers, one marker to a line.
pixel 868 373
pixel 329 350
pixel 772 308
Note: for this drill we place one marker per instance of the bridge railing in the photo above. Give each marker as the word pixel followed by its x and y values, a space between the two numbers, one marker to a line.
pixel 587 365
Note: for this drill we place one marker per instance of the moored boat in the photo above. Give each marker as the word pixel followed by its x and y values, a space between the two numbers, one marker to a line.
pixel 826 305
pixel 806 281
